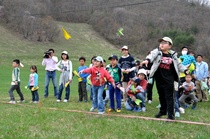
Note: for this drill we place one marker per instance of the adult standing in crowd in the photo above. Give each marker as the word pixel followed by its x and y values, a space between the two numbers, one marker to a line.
pixel 128 66
pixel 201 74
pixel 49 62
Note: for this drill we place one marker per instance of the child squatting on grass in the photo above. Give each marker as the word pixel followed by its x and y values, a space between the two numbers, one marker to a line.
pixel 165 69
pixel 33 84
pixel 15 84
pixel 98 75
pixel 134 91
pixel 141 75
pixel 188 91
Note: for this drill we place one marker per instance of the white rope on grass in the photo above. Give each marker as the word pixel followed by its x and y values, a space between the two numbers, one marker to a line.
pixel 113 115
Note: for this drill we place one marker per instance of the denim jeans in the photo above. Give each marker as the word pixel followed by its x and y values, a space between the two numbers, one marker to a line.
pixel 98 98
pixel 61 90
pixel 128 107
pixel 177 104
pixel 117 93
pixel 35 95
pixel 141 96
pixel 91 93
pixel 50 74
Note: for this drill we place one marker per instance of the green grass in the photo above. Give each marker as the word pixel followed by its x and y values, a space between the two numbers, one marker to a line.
pixel 32 121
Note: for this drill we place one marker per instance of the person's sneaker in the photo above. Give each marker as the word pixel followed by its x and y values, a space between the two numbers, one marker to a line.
pixel 118 110
pixel 92 109
pixel 149 101
pixel 35 102
pixel 58 100
pixel 185 106
pixel 159 115
pixel 181 110
pixel 101 112
pixel 12 102
pixel 136 109
pixel 111 110
pixel 177 114
pixel 65 100
pixel 143 109
pixel 158 106
pixel 171 118
pixel 194 107
pixel 21 101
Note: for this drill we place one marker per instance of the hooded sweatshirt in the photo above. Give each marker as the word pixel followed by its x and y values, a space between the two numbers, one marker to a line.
pixel 98 75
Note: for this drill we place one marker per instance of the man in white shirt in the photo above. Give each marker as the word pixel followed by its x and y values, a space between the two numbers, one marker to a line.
pixel 49 62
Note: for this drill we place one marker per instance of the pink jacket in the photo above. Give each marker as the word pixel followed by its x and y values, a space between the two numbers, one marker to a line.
pixel 98 75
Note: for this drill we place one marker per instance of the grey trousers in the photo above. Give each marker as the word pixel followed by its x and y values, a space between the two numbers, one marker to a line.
pixel 11 94
pixel 82 91
pixel 191 95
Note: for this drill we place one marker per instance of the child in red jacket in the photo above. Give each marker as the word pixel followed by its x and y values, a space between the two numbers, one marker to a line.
pixel 98 75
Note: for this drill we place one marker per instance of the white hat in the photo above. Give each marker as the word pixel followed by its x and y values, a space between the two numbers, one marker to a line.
pixel 99 59
pixel 124 47
pixel 142 71
pixel 65 52
pixel 167 39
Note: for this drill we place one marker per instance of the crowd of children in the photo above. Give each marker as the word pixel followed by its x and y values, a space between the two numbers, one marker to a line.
pixel 126 81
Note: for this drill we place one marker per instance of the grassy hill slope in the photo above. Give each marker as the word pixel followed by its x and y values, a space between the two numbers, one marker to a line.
pixel 84 42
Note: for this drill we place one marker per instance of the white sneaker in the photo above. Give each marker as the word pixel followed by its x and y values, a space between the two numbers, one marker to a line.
pixel 58 100
pixel 181 110
pixel 92 109
pixel 158 106
pixel 143 109
pixel 101 112
pixel 35 102
pixel 177 114
pixel 65 100
pixel 12 102
pixel 149 101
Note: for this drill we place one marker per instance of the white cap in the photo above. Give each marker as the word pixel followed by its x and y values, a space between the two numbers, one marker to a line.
pixel 99 59
pixel 167 39
pixel 65 52
pixel 142 71
pixel 125 47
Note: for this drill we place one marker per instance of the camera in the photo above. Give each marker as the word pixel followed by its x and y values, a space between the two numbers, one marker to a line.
pixel 47 54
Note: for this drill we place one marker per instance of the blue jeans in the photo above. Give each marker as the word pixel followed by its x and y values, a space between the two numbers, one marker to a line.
pixel 117 93
pixel 91 93
pixel 98 98
pixel 177 104
pixel 50 74
pixel 35 95
pixel 141 96
pixel 61 90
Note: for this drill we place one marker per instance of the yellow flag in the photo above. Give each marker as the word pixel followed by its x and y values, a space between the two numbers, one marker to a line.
pixel 66 34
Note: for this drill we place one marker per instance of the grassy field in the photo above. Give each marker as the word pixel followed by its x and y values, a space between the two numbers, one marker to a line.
pixel 44 121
